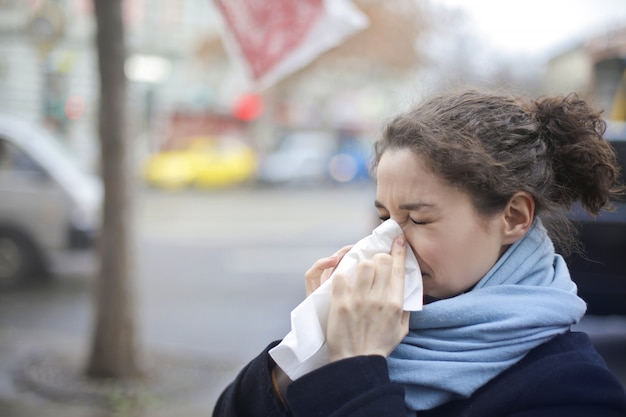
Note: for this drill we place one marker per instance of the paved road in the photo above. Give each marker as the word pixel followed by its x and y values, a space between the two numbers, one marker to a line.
pixel 240 257
pixel 217 275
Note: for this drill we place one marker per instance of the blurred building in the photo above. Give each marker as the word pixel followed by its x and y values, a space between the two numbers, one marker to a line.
pixel 181 81
pixel 49 74
pixel 47 67
pixel 595 67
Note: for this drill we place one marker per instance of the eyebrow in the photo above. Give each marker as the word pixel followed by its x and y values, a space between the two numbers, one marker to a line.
pixel 407 206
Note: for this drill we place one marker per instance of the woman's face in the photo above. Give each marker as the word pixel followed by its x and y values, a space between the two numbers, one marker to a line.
pixel 454 246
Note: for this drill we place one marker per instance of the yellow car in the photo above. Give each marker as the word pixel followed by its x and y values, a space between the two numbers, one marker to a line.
pixel 207 162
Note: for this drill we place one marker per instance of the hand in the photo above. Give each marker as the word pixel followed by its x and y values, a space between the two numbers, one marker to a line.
pixel 322 269
pixel 366 316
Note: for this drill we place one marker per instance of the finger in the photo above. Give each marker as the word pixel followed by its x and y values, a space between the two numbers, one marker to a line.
pixel 326 274
pixel 341 252
pixel 363 278
pixel 320 266
pixel 340 286
pixel 398 262
pixel 313 276
pixel 339 256
pixel 325 263
pixel 383 265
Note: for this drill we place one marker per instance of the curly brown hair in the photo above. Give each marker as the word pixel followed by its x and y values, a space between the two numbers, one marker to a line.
pixel 492 146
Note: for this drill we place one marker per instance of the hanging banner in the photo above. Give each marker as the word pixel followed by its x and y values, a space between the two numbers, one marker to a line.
pixel 273 38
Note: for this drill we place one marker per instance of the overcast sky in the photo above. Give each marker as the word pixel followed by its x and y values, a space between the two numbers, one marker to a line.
pixel 538 26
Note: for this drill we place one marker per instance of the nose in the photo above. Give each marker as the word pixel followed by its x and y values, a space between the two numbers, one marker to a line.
pixel 411 245
pixel 401 220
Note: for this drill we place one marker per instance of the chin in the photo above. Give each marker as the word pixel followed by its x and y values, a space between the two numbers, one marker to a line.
pixel 430 299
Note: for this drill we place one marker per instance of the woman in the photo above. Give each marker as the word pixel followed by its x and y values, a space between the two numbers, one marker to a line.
pixel 469 178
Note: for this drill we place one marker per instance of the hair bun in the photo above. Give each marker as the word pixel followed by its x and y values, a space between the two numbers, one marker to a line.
pixel 584 164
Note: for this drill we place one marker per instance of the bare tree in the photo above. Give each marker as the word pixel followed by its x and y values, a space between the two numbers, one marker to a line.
pixel 113 349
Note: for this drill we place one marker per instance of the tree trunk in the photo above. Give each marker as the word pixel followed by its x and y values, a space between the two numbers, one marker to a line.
pixel 113 349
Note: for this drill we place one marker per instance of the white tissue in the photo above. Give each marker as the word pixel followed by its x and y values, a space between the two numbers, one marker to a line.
pixel 304 348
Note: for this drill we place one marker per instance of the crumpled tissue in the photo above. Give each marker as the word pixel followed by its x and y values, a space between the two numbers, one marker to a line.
pixel 304 348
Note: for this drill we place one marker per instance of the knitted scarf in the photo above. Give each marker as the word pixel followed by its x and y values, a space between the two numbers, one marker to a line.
pixel 456 345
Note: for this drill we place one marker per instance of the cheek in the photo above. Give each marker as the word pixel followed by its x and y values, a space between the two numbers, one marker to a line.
pixel 466 259
pixel 452 264
pixel 431 251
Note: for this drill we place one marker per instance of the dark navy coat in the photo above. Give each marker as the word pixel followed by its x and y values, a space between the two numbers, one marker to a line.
pixel 564 377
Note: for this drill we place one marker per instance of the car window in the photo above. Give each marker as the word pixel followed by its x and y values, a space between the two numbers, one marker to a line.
pixel 13 159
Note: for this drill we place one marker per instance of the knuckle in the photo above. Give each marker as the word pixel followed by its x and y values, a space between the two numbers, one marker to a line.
pixel 365 266
pixel 396 306
pixel 398 270
pixel 339 284
pixel 378 305
pixel 382 258
pixel 357 305
pixel 343 309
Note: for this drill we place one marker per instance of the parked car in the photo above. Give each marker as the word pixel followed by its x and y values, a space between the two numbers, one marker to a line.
pixel 313 157
pixel 600 272
pixel 49 208
pixel 207 162
pixel 351 161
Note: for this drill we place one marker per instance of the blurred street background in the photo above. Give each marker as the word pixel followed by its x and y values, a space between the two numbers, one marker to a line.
pixel 217 275
pixel 236 190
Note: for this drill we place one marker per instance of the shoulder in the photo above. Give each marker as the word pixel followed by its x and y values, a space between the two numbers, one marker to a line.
pixel 564 349
pixel 567 374
pixel 563 377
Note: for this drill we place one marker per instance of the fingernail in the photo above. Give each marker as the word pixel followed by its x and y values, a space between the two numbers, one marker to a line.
pixel 400 241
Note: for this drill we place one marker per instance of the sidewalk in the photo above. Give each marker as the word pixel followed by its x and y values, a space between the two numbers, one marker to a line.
pixel 189 386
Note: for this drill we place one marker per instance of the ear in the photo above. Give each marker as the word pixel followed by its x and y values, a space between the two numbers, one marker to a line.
pixel 518 216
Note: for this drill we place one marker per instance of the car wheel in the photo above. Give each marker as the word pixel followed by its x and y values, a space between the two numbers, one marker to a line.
pixel 18 258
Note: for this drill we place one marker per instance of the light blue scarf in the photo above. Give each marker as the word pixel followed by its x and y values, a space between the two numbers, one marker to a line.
pixel 456 345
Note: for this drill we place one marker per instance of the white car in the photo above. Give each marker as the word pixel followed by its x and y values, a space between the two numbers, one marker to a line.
pixel 301 157
pixel 49 208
